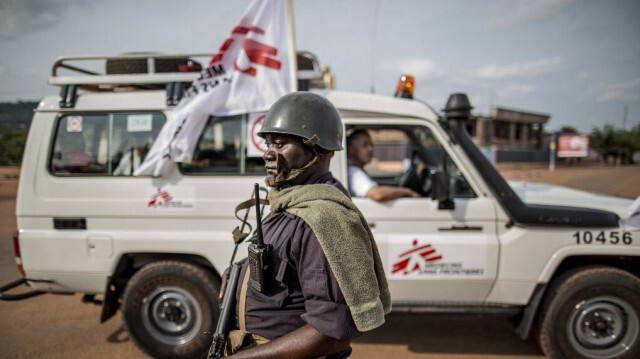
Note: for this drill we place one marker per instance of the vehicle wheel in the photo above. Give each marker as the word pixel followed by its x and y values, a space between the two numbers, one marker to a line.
pixel 592 313
pixel 167 308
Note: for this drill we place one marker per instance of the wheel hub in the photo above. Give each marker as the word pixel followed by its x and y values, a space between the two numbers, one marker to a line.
pixel 168 313
pixel 171 315
pixel 172 311
pixel 602 327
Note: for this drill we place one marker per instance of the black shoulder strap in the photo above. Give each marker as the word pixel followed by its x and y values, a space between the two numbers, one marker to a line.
pixel 239 235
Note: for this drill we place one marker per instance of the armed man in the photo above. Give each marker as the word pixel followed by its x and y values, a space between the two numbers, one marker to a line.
pixel 316 279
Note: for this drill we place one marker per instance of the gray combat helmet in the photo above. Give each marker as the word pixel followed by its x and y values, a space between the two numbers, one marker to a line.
pixel 306 115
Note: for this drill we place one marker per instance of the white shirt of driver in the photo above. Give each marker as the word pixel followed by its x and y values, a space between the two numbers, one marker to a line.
pixel 359 181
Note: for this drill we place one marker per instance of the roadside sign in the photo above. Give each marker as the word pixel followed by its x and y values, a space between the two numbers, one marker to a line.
pixel 255 143
pixel 573 145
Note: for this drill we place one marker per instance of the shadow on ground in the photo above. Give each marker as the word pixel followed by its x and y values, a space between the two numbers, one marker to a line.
pixel 449 334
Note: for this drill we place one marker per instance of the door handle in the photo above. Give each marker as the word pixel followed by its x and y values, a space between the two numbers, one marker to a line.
pixel 460 228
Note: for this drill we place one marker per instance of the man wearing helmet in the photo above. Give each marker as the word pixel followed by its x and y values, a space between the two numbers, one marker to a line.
pixel 327 284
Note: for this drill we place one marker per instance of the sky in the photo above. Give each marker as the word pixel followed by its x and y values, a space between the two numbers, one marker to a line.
pixel 577 61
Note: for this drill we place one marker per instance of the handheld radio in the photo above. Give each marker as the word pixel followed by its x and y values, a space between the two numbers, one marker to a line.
pixel 259 254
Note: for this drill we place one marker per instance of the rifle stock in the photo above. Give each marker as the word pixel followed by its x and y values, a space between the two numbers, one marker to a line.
pixel 226 312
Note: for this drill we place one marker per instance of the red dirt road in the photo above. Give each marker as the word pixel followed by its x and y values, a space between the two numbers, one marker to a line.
pixel 613 180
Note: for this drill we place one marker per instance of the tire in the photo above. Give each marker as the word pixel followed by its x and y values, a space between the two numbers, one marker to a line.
pixel 592 313
pixel 167 308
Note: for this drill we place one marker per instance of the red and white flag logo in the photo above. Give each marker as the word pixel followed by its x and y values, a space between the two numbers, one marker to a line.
pixel 414 259
pixel 252 69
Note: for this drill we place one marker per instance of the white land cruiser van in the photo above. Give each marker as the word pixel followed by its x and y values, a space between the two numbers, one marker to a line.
pixel 155 248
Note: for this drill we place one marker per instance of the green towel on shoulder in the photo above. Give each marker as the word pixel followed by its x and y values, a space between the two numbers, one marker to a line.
pixel 348 244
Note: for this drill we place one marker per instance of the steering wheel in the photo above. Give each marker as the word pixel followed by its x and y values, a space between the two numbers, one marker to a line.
pixel 410 177
pixel 419 182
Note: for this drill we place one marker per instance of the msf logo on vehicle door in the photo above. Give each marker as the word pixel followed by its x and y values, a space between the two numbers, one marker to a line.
pixel 179 198
pixel 415 259
pixel 442 257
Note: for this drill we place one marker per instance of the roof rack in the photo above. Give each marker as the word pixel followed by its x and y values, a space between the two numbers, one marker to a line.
pixel 127 71
pixel 140 71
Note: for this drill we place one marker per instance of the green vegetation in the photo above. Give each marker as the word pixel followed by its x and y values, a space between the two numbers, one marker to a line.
pixel 568 129
pixel 616 143
pixel 12 145
pixel 15 119
pixel 16 114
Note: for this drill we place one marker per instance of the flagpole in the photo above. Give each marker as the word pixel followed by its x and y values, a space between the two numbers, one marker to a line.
pixel 293 55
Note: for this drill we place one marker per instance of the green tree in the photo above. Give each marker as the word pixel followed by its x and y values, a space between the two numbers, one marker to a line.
pixel 568 129
pixel 15 119
pixel 610 142
pixel 16 114
pixel 630 143
pixel 12 145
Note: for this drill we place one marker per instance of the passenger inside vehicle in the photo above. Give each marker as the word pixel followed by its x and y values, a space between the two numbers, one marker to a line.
pixel 360 153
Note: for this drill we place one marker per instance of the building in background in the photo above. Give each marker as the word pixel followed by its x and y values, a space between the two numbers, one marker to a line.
pixel 507 128
pixel 510 135
pixel 505 135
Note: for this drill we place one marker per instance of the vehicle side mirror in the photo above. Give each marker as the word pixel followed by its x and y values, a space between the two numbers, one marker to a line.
pixel 440 190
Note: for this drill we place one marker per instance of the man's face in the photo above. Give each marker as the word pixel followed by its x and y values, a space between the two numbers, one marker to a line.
pixel 292 152
pixel 360 149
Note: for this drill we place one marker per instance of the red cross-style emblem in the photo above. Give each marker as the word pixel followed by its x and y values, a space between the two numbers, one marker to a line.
pixel 252 53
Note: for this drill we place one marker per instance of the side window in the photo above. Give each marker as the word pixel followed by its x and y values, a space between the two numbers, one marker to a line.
pixel 222 149
pixel 78 148
pixel 410 156
pixel 391 153
pixel 132 137
pixel 103 144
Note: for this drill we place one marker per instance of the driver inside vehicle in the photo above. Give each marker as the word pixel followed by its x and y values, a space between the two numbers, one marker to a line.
pixel 360 152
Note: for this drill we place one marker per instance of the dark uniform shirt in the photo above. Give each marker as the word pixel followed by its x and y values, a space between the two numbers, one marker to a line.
pixel 303 290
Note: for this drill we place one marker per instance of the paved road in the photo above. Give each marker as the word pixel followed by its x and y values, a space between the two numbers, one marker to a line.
pixel 61 326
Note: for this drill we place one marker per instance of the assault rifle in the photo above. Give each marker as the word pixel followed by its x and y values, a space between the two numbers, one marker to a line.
pixel 216 350
pixel 228 306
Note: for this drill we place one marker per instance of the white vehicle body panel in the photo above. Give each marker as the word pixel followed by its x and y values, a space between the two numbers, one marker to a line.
pixel 506 262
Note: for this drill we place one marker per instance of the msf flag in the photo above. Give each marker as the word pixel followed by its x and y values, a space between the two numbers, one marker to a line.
pixel 252 69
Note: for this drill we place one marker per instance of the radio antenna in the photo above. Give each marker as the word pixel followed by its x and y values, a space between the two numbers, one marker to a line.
pixel 260 241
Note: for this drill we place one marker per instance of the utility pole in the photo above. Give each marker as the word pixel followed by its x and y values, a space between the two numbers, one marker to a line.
pixel 624 117
pixel 374 41
pixel 552 151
